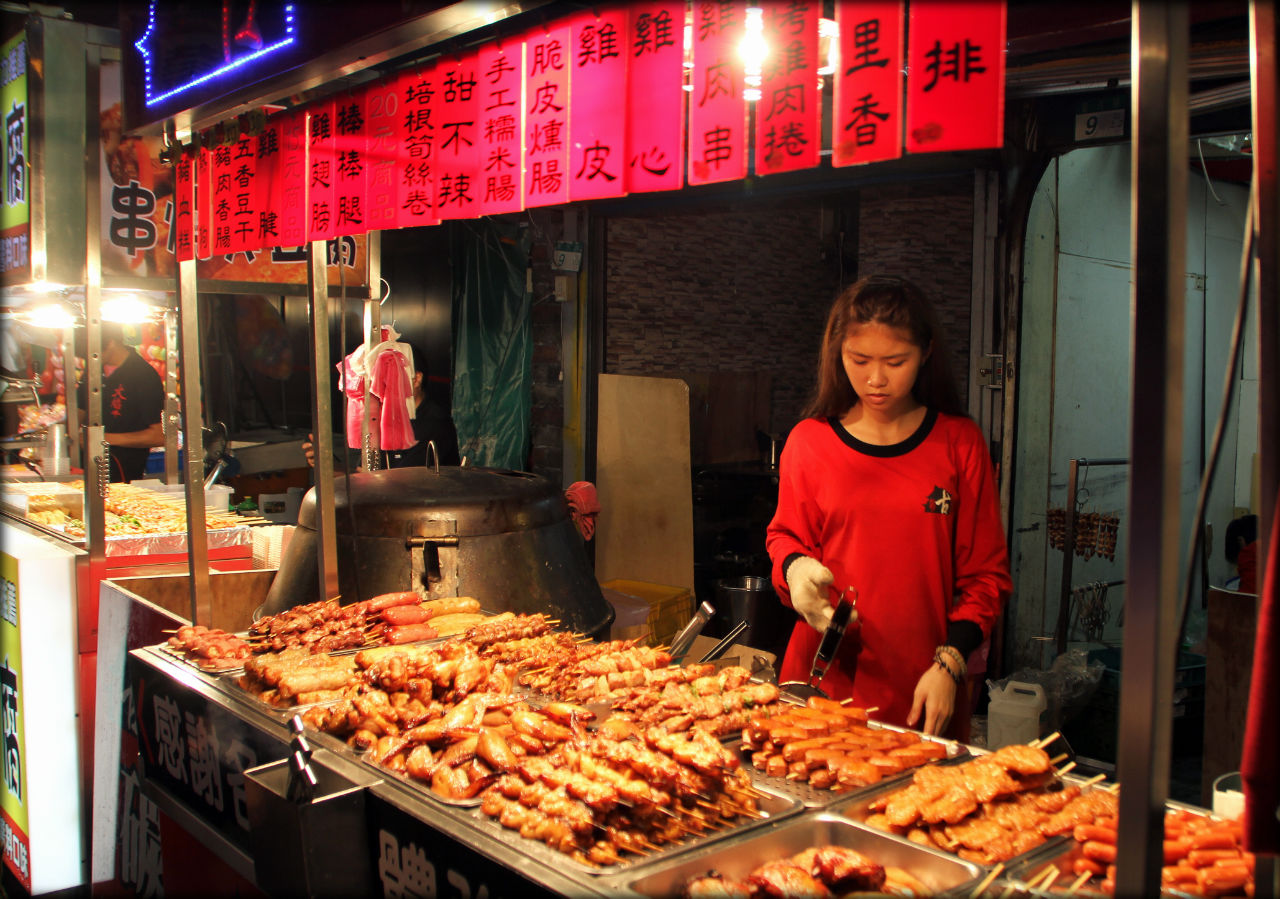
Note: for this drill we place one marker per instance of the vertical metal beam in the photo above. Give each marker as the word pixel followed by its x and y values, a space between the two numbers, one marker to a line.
pixel 1266 204
pixel 69 392
pixel 322 419
pixel 1158 249
pixel 1262 35
pixel 193 438
pixel 172 397
pixel 1068 557
pixel 984 401
pixel 372 326
pixel 573 334
pixel 97 458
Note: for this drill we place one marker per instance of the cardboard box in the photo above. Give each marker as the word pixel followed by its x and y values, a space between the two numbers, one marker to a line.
pixel 670 608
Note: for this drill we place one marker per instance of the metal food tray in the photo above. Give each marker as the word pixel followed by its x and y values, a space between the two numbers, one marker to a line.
pixel 197 663
pixel 856 808
pixel 813 797
pixel 774 805
pixel 942 874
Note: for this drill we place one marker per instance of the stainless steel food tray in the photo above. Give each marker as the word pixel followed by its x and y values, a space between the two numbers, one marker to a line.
pixel 856 807
pixel 942 874
pixel 773 805
pixel 813 797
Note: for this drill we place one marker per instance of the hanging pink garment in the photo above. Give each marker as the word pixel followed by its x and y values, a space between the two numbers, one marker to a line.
pixel 392 386
pixel 351 382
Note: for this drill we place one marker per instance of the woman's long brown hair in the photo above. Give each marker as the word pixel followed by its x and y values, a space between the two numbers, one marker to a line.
pixel 897 303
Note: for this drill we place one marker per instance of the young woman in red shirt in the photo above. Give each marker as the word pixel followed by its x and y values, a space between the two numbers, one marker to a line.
pixel 887 489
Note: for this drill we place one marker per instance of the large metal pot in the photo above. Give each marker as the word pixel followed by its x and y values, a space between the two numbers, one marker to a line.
pixel 504 537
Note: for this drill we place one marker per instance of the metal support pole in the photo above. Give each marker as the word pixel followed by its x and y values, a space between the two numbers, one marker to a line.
pixel 172 398
pixel 1068 556
pixel 1266 130
pixel 372 334
pixel 97 457
pixel 193 438
pixel 322 419
pixel 75 445
pixel 1158 250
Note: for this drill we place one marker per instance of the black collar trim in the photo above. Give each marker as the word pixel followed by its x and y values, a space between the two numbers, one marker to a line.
pixel 890 450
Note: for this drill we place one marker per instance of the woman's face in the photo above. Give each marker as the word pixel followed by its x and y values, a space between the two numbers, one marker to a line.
pixel 881 363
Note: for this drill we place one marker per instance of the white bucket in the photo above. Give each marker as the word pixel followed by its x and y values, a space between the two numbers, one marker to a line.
pixel 1014 713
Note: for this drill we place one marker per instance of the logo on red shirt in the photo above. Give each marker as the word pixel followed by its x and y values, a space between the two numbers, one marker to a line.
pixel 938 502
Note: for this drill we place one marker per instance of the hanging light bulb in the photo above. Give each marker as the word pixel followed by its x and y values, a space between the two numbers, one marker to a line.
pixel 127 309
pixel 754 49
pixel 50 315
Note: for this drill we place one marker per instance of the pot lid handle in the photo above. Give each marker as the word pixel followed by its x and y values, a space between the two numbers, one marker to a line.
pixel 433 456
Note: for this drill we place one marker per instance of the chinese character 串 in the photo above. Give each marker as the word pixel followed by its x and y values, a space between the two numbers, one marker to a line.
pixel 131 229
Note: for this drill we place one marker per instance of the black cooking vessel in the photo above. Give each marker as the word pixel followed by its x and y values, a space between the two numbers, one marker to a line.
pixel 504 537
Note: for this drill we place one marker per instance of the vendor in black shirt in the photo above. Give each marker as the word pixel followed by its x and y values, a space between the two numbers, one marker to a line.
pixel 132 403
pixel 430 423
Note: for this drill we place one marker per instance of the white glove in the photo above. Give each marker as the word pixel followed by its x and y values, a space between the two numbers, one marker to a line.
pixel 809 580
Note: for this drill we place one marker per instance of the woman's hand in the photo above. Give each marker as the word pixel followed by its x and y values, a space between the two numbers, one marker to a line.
pixel 309 450
pixel 935 696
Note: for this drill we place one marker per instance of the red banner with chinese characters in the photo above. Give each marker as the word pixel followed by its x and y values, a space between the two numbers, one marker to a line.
pixel 203 221
pixel 349 167
pixel 546 104
pixel 500 136
pixel 382 152
pixel 867 120
pixel 220 198
pixel 184 246
pixel 655 97
pixel 321 165
pixel 292 179
pixel 268 175
pixel 418 137
pixel 789 111
pixel 456 112
pixel 717 109
pixel 597 121
pixel 244 196
pixel 955 96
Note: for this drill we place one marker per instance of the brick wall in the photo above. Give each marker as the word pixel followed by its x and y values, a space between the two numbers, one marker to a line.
pixel 923 230
pixel 746 289
pixel 734 290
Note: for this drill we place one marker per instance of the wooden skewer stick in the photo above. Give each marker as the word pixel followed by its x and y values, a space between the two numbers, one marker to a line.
pixel 1065 768
pixel 1044 878
pixel 1045 741
pixel 1097 778
pixel 1079 882
pixel 986 881
pixel 1058 758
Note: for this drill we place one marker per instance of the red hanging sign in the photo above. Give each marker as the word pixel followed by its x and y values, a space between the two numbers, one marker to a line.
pixel 204 208
pixel 655 97
pixel 867 124
pixel 789 111
pixel 269 169
pixel 321 171
pixel 456 112
pixel 597 121
pixel 417 136
pixel 244 196
pixel 955 95
pixel 547 103
pixel 184 247
pixel 717 109
pixel 382 153
pixel 292 179
pixel 350 168
pixel 220 200
pixel 500 136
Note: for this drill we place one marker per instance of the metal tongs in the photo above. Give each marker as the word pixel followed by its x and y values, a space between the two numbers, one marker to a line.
pixel 831 639
pixel 302 777
pixel 680 645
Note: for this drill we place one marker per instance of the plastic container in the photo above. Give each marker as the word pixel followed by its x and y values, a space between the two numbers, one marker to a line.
pixel 1014 713
pixel 217 497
